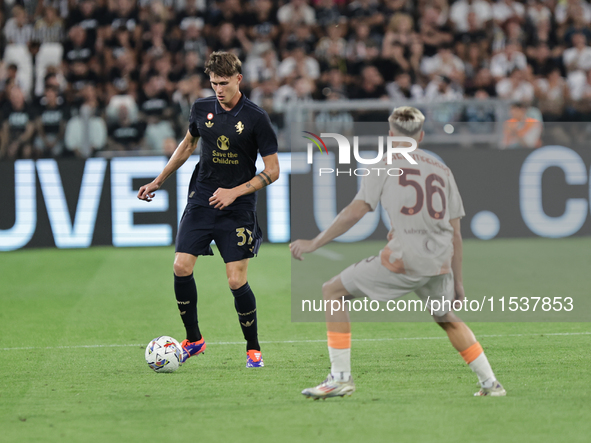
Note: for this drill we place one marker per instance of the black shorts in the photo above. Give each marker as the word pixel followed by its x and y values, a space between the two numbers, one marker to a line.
pixel 236 233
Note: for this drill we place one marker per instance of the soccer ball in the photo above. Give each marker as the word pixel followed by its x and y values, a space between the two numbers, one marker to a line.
pixel 163 354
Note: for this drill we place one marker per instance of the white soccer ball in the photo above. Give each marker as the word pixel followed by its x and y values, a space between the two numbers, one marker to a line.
pixel 163 354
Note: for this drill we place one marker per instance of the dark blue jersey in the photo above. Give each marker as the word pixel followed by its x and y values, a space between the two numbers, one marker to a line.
pixel 230 141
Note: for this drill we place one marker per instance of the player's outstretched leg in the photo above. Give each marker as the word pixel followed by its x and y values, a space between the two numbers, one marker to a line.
pixel 246 308
pixel 339 382
pixel 186 298
pixel 462 338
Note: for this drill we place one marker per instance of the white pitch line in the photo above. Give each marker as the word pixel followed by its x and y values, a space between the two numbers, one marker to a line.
pixel 327 253
pixel 297 341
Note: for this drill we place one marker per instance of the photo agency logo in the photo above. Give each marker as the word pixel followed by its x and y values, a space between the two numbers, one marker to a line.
pixel 397 147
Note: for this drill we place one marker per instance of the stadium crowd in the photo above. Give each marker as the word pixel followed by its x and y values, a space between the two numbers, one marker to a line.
pixel 79 76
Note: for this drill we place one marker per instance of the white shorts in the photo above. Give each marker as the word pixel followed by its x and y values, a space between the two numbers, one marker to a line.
pixel 370 278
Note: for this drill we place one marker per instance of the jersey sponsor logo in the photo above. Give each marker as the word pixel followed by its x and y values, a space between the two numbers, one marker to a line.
pixel 223 142
pixel 209 124
pixel 239 127
pixel 209 116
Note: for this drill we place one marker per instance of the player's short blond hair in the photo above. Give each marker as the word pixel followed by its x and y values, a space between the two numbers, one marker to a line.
pixel 407 121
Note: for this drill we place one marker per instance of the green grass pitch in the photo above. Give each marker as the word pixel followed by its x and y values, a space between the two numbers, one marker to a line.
pixel 74 325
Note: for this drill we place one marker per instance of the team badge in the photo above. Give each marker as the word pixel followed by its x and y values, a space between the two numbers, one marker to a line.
pixel 209 116
pixel 239 127
pixel 223 142
pixel 209 124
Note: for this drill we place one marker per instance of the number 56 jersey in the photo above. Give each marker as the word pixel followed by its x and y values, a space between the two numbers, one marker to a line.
pixel 420 204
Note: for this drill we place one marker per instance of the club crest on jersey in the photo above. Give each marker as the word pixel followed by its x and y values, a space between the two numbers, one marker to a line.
pixel 239 127
pixel 209 124
pixel 223 142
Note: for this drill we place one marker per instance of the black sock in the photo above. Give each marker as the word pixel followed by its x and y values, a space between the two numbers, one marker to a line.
pixel 246 307
pixel 186 298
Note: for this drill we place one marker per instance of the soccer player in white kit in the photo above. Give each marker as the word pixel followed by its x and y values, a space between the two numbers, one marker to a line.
pixel 423 254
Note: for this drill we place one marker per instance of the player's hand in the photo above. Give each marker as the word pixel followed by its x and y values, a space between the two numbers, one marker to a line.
pixel 300 247
pixel 390 235
pixel 459 291
pixel 222 198
pixel 146 192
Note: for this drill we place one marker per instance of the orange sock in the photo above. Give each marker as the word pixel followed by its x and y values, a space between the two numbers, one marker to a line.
pixel 472 353
pixel 339 340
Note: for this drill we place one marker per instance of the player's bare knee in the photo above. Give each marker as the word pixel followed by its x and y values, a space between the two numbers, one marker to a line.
pixel 182 268
pixel 236 281
pixel 448 321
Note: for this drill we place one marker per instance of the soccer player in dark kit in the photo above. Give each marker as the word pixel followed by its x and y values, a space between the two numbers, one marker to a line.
pixel 222 201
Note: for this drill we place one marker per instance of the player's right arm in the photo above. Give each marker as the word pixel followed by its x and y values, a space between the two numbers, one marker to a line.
pixel 178 159
pixel 341 224
pixel 456 260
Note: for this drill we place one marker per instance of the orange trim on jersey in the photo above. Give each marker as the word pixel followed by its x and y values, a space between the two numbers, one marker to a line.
pixel 339 340
pixel 397 266
pixel 472 353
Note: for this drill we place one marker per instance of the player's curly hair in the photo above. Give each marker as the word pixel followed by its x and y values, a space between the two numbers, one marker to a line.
pixel 223 64
pixel 407 121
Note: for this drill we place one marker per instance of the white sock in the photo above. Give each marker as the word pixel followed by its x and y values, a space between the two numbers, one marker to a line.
pixel 340 361
pixel 482 368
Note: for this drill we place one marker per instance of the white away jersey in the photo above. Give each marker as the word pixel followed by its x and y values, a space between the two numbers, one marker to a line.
pixel 420 204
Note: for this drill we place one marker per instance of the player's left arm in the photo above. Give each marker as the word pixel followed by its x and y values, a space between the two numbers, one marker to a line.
pixel 346 219
pixel 222 197
pixel 456 260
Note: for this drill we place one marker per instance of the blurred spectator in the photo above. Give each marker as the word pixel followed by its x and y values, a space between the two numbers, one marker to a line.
pixel 400 30
pixel 258 69
pixel 542 61
pixel 298 64
pixel 264 94
pixel 50 28
pixel 361 48
pixel 566 10
pixel 460 9
pixel 538 11
pixel 402 89
pixel 17 29
pixel 264 29
pixel 552 95
pixel 297 90
pixel 479 116
pixel 444 63
pixel 520 131
pixel 515 88
pixel 89 17
pixel 364 12
pixel 507 61
pixel 301 36
pixel 193 41
pixel 581 96
pixel 475 60
pixel 77 48
pixel 504 10
pixel 125 135
pixel 86 133
pixel 17 127
pixel 543 33
pixel 331 50
pixel 226 40
pixel 579 24
pixel 328 13
pixel 295 12
pixel 371 85
pixel 432 32
pixel 155 107
pixel 52 115
pixel 482 80
pixel 579 56
pixel 442 88
pixel 124 77
pixel 188 90
pixel 333 82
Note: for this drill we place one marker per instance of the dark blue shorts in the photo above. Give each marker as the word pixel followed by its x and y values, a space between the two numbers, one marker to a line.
pixel 236 233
